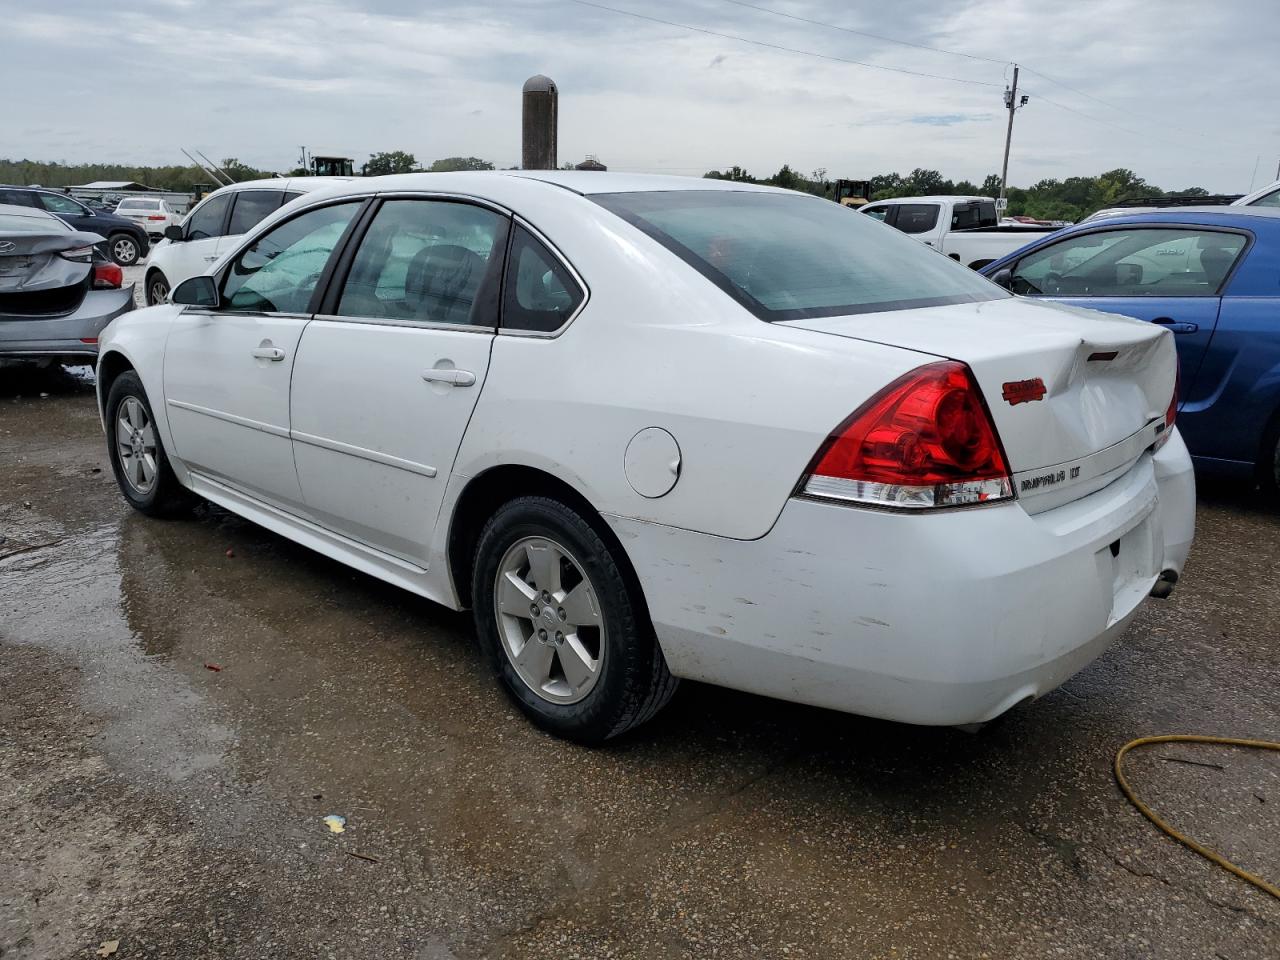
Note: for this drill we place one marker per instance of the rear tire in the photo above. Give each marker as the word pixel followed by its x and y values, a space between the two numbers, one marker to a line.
pixel 124 249
pixel 157 288
pixel 137 453
pixel 563 629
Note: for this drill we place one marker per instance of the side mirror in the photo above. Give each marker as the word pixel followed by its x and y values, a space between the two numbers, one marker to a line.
pixel 173 233
pixel 196 292
pixel 1003 278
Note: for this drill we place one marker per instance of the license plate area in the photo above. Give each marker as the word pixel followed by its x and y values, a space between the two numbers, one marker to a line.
pixel 1129 564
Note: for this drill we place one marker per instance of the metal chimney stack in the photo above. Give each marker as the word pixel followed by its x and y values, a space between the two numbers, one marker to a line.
pixel 540 117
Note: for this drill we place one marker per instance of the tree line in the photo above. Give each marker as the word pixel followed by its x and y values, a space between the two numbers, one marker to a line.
pixel 185 177
pixel 1071 199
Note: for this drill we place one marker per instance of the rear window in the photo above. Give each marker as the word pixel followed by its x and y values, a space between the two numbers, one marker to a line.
pixel 788 257
pixel 139 205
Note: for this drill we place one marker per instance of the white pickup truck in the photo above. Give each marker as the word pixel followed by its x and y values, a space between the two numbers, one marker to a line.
pixel 964 228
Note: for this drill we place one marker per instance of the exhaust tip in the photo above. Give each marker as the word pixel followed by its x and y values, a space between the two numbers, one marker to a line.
pixel 1164 584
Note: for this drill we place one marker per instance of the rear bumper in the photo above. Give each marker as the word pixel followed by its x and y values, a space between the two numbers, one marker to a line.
pixel 950 618
pixel 65 336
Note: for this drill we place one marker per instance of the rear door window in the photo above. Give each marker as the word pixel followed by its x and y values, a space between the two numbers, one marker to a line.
pixel 250 208
pixel 539 294
pixel 876 213
pixel 207 219
pixel 430 261
pixel 916 217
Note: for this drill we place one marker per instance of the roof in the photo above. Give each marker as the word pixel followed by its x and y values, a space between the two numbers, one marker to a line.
pixel 936 198
pixel 1258 194
pixel 114 185
pixel 497 184
pixel 1227 216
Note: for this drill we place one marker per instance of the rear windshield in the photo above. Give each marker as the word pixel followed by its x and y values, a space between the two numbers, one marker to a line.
pixel 16 223
pixel 139 205
pixel 789 256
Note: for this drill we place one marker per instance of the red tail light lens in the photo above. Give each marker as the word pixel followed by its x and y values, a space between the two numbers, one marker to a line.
pixel 156 216
pixel 1171 414
pixel 926 440
pixel 107 276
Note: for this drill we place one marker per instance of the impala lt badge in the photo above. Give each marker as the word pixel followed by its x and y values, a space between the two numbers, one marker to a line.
pixel 1023 391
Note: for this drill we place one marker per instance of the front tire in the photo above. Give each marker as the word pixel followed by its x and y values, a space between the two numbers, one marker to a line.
pixel 157 288
pixel 124 249
pixel 137 454
pixel 563 629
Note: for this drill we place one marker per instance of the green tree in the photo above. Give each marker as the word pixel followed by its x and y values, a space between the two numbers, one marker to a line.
pixel 240 172
pixel 733 173
pixel 449 164
pixel 392 161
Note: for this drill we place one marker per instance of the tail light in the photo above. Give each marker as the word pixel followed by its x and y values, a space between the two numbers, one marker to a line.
pixel 107 276
pixel 77 254
pixel 926 440
pixel 1171 414
pixel 156 216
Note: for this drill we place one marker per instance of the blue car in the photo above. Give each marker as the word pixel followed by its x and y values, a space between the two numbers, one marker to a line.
pixel 1212 276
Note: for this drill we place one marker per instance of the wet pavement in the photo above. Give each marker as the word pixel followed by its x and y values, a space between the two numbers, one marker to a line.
pixel 150 798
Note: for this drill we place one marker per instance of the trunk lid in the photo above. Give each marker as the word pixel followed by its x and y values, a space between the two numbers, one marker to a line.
pixel 35 279
pixel 1107 383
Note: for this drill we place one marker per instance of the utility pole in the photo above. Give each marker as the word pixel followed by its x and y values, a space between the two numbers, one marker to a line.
pixel 1012 104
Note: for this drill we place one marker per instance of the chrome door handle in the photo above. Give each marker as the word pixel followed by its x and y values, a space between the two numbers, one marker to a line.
pixel 455 378
pixel 211 259
pixel 269 353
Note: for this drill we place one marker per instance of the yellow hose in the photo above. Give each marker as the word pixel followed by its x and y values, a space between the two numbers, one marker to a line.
pixel 1210 855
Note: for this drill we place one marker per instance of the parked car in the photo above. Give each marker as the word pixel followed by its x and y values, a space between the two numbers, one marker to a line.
pixel 57 291
pixel 964 228
pixel 1207 274
pixel 1268 196
pixel 657 427
pixel 124 241
pixel 152 214
pixel 217 223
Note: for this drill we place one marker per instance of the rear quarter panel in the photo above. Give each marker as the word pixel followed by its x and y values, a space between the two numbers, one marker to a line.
pixel 748 402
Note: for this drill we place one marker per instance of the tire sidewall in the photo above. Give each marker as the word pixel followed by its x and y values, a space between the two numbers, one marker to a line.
pixel 593 718
pixel 115 239
pixel 129 385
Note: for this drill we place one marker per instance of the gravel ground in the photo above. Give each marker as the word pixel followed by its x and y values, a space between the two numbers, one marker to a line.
pixel 182 703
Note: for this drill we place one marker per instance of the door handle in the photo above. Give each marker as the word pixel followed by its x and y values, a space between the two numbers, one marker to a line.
pixel 1177 326
pixel 269 353
pixel 455 378
pixel 211 259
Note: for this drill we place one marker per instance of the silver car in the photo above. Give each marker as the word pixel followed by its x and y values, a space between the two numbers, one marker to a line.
pixel 57 292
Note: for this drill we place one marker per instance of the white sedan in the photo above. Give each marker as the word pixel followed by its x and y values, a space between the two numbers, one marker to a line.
pixel 650 428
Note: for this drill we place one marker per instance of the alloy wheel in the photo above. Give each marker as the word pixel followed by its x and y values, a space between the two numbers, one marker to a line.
pixel 550 621
pixel 136 445
pixel 124 250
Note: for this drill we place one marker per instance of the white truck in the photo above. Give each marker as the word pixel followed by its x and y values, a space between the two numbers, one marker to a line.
pixel 964 228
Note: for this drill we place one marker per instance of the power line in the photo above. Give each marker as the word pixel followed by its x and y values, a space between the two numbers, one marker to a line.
pixel 778 46
pixel 863 33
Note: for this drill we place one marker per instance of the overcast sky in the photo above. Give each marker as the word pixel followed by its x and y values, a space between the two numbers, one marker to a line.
pixel 1185 89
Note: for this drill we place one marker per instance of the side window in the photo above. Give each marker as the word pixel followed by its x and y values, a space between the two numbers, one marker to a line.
pixel 290 196
pixel 538 292
pixel 1271 199
pixel 250 207
pixel 279 271
pixel 205 221
pixel 966 216
pixel 916 217
pixel 1131 263
pixel 427 260
pixel 876 213
pixel 56 204
pixel 18 198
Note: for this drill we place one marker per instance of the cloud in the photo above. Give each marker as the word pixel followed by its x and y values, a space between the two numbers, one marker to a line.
pixel 1176 100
